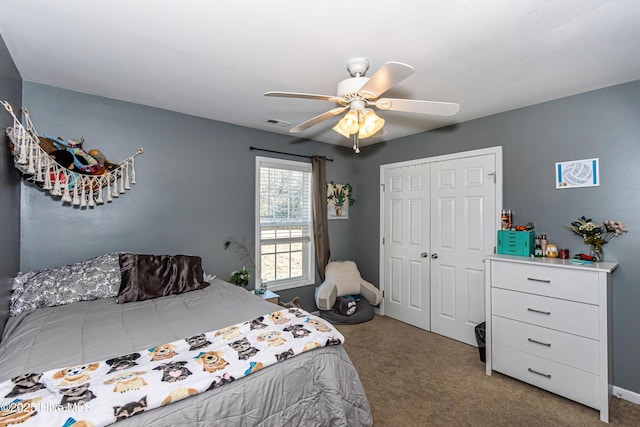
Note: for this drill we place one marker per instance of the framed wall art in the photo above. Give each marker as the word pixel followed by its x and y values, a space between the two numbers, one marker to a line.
pixel 578 173
pixel 338 200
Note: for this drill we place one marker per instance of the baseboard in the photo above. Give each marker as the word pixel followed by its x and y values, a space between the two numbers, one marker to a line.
pixel 630 396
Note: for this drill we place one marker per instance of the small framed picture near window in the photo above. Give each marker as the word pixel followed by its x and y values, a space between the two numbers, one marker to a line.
pixel 578 173
pixel 338 201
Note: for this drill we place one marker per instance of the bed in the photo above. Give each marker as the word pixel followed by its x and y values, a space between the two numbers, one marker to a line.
pixel 317 387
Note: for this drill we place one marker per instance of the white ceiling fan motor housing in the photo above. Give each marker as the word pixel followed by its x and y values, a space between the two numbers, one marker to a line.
pixel 357 67
pixel 349 88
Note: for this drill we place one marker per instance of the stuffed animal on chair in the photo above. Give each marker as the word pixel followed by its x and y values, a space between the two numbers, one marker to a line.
pixel 343 278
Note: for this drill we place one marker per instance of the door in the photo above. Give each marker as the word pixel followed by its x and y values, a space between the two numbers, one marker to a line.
pixel 463 221
pixel 406 244
pixel 439 218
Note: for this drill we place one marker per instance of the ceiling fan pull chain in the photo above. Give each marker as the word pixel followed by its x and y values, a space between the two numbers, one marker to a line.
pixel 356 139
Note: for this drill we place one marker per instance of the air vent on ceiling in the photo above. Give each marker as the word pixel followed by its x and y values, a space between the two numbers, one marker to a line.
pixel 277 122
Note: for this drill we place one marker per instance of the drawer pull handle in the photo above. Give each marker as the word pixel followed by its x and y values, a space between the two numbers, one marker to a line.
pixel 548 313
pixel 546 344
pixel 533 279
pixel 540 373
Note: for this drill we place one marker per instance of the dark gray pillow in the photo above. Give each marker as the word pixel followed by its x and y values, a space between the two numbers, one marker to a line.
pixel 151 276
pixel 364 313
pixel 87 280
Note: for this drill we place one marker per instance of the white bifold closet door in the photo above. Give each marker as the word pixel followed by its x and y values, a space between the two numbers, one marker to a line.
pixel 462 233
pixel 406 244
pixel 439 221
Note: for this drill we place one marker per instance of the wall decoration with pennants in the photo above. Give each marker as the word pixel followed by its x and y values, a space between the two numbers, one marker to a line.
pixel 64 169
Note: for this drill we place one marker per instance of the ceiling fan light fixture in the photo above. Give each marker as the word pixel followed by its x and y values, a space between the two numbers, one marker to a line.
pixel 348 124
pixel 337 129
pixel 371 124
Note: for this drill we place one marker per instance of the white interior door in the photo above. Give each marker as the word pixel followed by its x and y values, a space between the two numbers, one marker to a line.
pixel 406 244
pixel 463 211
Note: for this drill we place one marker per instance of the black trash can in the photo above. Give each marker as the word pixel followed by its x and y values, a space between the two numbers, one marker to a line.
pixel 482 342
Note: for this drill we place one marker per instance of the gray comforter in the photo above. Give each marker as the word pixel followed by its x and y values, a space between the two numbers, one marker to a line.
pixel 319 387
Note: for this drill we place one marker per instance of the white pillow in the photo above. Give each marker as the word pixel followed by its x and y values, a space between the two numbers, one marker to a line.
pixel 345 275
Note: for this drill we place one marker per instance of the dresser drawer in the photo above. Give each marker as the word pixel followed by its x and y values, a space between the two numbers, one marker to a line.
pixel 561 315
pixel 561 347
pixel 566 381
pixel 565 283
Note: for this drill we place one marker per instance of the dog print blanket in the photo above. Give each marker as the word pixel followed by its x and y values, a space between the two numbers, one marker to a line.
pixel 103 392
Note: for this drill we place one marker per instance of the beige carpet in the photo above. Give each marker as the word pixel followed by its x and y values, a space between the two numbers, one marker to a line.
pixel 417 378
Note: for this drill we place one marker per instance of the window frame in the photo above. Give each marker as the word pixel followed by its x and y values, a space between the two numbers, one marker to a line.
pixel 309 265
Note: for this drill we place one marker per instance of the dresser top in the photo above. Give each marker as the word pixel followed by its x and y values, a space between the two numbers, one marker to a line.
pixel 606 266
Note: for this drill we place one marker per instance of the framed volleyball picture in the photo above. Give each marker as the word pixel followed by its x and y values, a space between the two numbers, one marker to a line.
pixel 578 173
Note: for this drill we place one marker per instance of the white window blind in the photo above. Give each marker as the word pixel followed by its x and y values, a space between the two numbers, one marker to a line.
pixel 284 228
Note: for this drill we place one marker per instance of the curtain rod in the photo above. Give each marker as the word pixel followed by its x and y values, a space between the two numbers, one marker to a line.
pixel 282 152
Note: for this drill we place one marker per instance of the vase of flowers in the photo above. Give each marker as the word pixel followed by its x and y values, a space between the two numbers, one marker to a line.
pixel 596 235
pixel 596 253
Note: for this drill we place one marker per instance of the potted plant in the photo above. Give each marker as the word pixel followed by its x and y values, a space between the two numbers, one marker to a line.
pixel 245 252
pixel 240 277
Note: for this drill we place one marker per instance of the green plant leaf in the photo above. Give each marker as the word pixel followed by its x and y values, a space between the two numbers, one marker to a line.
pixel 242 249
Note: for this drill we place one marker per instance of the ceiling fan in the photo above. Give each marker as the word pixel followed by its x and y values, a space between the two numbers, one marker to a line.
pixel 358 93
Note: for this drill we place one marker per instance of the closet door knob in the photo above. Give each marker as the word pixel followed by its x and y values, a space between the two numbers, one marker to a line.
pixel 424 254
pixel 434 256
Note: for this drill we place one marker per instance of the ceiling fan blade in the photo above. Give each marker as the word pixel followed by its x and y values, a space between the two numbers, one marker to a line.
pixel 317 119
pixel 390 74
pixel 329 98
pixel 415 106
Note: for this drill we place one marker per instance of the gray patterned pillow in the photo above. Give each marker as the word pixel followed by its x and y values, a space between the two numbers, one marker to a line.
pixel 87 280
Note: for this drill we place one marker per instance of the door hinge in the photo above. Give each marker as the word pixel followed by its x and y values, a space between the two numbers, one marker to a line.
pixel 382 294
pixel 493 174
pixel 494 250
pixel 383 240
pixel 382 185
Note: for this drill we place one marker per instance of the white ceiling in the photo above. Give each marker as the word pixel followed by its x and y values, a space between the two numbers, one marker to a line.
pixel 215 59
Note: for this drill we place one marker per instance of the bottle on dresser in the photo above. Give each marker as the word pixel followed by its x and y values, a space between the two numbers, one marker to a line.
pixel 537 251
pixel 504 220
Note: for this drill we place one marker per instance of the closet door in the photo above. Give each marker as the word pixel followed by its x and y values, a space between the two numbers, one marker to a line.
pixel 463 209
pixel 406 244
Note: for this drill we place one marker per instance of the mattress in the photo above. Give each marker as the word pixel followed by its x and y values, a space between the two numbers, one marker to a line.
pixel 319 387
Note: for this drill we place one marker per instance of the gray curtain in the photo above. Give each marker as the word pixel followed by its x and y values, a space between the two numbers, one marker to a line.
pixel 319 208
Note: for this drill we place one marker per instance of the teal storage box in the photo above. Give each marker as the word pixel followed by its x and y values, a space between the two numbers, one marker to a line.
pixel 515 242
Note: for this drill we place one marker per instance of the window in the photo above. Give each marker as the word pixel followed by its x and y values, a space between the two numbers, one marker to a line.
pixel 284 252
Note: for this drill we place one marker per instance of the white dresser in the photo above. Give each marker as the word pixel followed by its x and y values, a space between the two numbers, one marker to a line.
pixel 548 324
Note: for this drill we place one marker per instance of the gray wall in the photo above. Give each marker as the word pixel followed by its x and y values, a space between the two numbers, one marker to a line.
pixel 11 91
pixel 602 124
pixel 195 185
pixel 196 178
